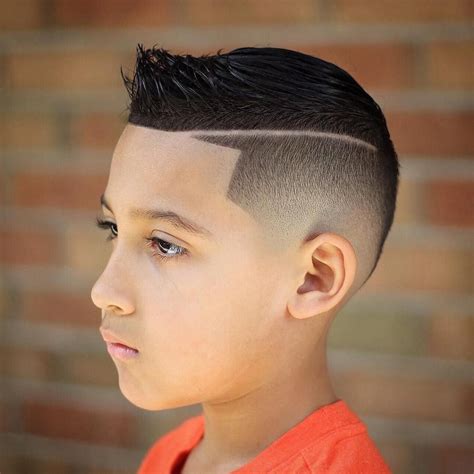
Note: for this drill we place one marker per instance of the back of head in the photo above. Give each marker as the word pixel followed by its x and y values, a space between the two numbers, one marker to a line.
pixel 316 154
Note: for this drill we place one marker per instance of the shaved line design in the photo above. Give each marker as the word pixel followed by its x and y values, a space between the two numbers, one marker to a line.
pixel 335 136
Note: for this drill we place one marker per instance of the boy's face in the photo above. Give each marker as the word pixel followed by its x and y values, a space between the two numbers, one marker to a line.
pixel 210 325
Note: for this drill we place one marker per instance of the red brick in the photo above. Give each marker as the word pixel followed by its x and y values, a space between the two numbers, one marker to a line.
pixel 451 335
pixel 401 11
pixel 69 421
pixel 451 458
pixel 68 70
pixel 60 308
pixel 392 69
pixel 26 131
pixel 96 130
pixel 24 362
pixel 113 13
pixel 450 203
pixel 450 64
pixel 57 189
pixel 436 133
pixel 423 266
pixel 29 247
pixel 247 12
pixel 22 15
pixel 404 397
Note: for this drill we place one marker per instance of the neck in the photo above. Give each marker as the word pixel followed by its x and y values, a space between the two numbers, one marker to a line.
pixel 237 430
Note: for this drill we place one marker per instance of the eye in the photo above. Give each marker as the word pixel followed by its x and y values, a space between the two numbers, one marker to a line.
pixel 102 224
pixel 153 242
pixel 160 243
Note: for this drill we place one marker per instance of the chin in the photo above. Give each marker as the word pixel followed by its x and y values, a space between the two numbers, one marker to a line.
pixel 135 395
pixel 155 402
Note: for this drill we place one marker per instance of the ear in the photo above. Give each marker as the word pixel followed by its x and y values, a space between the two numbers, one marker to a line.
pixel 328 268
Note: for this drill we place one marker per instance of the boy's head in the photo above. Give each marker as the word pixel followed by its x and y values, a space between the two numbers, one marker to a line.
pixel 284 175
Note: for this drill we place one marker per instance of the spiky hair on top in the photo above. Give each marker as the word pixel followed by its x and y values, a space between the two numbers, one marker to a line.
pixel 315 151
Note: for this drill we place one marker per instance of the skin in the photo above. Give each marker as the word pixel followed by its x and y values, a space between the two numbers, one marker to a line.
pixel 236 325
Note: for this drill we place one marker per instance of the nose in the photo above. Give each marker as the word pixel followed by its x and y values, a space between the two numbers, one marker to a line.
pixel 111 294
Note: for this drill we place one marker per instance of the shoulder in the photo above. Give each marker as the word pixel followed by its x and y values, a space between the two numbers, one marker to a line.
pixel 332 440
pixel 348 450
pixel 164 451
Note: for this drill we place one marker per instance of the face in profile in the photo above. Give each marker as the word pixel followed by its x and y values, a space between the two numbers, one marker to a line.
pixel 202 303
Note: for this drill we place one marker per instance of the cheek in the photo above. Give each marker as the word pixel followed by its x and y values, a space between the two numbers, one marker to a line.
pixel 204 330
pixel 202 321
pixel 178 321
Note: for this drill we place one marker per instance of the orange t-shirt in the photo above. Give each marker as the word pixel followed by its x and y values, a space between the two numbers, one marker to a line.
pixel 332 439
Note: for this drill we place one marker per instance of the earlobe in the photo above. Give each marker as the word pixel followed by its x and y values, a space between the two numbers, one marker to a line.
pixel 329 266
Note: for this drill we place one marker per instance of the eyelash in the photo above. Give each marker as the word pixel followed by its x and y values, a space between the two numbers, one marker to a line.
pixel 103 224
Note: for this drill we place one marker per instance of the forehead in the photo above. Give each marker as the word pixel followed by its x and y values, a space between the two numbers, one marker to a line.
pixel 153 167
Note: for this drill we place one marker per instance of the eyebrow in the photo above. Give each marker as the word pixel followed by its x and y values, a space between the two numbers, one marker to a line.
pixel 176 220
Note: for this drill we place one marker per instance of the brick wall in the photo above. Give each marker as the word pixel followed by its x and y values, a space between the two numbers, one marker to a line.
pixel 401 353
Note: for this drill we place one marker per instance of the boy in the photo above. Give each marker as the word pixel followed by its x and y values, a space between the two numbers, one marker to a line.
pixel 249 198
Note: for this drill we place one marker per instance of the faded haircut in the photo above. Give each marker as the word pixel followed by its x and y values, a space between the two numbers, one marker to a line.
pixel 316 154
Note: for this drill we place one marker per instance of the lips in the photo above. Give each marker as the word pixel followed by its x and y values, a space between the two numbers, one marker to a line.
pixel 111 339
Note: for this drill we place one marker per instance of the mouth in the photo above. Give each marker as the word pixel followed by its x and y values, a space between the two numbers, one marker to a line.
pixel 117 347
pixel 120 351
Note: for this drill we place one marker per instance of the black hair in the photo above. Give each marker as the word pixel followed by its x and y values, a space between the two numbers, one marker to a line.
pixel 316 154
